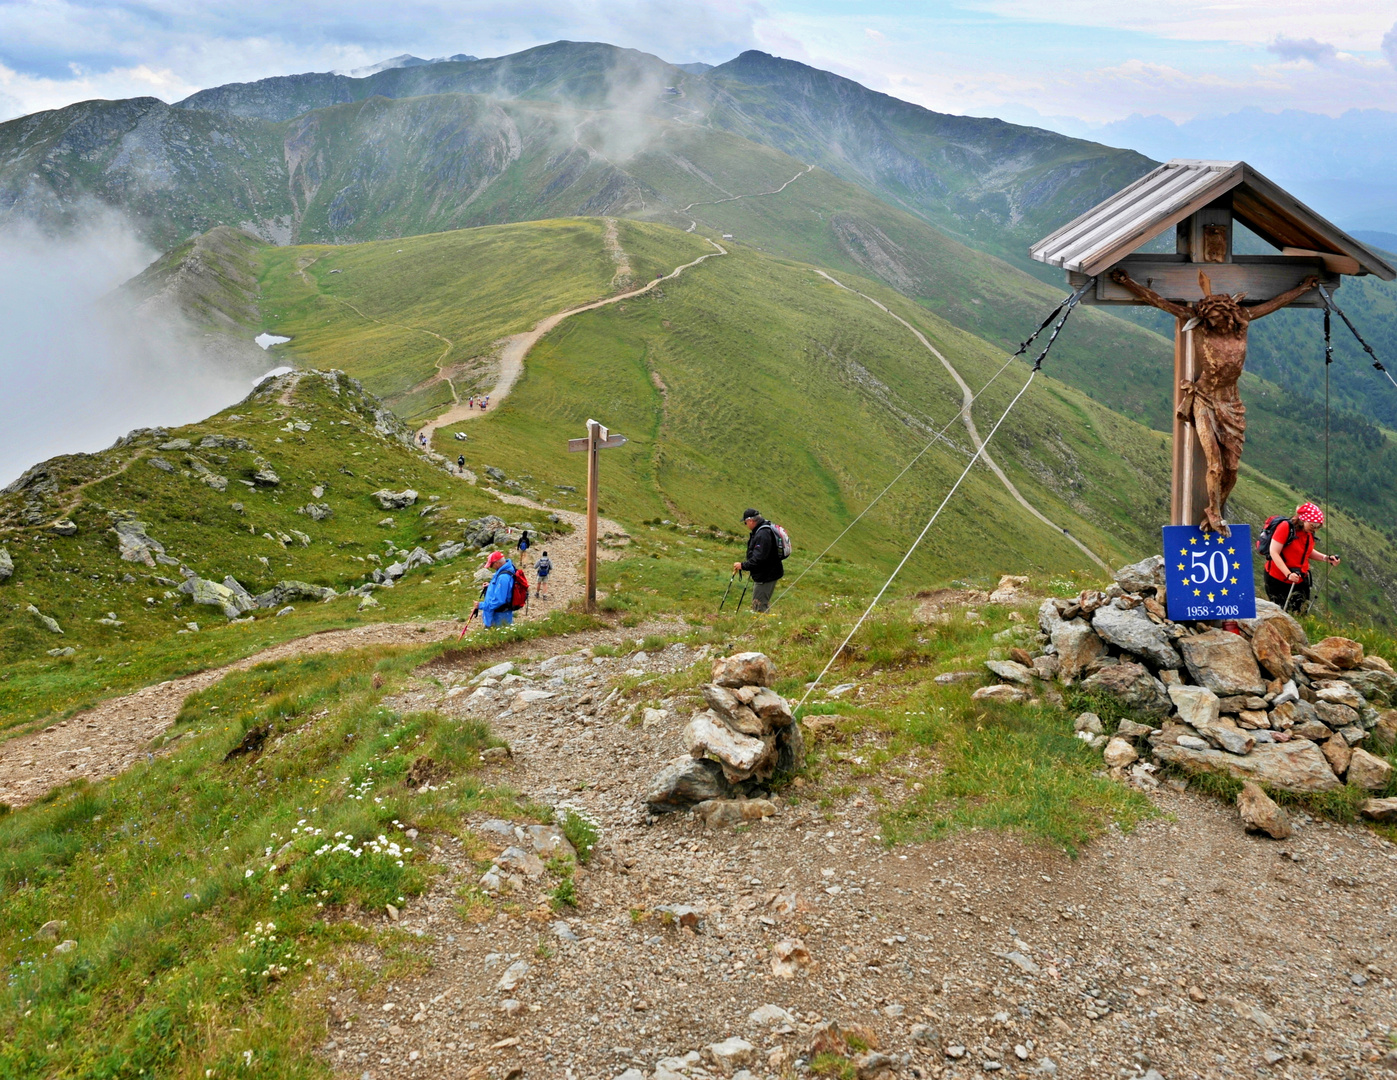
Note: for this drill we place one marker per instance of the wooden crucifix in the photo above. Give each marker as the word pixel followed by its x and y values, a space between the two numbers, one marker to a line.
pixel 598 438
pixel 1203 283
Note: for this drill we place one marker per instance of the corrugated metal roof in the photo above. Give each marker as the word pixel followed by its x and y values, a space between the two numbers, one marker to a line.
pixel 1159 200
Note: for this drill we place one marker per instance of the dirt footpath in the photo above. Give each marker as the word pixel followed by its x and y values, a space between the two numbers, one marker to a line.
pixel 114 735
pixel 1188 948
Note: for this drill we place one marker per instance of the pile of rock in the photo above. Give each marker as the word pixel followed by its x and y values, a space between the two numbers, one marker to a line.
pixel 1254 699
pixel 744 738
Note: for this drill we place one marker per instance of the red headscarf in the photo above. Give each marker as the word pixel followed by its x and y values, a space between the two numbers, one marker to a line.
pixel 1311 513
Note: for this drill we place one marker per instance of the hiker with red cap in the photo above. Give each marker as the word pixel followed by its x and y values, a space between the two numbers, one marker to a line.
pixel 1289 544
pixel 497 603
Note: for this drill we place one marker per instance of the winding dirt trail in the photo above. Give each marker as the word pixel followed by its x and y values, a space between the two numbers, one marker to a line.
pixel 117 733
pixel 514 348
pixel 752 195
pixel 967 398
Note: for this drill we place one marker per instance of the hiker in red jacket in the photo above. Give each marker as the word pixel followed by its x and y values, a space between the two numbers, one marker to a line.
pixel 1288 560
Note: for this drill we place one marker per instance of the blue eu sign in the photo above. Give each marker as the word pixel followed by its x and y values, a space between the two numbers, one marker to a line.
pixel 1209 576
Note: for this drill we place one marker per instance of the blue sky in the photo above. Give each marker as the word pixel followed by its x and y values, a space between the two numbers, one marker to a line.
pixel 1080 62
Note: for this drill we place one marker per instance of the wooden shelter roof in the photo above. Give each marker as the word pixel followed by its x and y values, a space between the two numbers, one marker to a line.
pixel 1135 215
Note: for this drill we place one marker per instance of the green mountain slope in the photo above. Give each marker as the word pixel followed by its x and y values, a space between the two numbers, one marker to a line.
pixel 199 496
pixel 752 379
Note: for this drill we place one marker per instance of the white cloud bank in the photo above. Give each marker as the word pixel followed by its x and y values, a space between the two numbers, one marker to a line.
pixel 76 374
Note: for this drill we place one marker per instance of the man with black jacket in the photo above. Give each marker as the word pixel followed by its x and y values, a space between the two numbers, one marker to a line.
pixel 763 560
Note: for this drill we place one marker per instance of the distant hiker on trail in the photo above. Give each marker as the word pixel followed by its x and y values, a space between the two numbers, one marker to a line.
pixel 1288 558
pixel 763 560
pixel 543 568
pixel 460 461
pixel 523 546
pixel 496 605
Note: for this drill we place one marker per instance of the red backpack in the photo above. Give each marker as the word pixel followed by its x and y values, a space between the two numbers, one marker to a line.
pixel 519 597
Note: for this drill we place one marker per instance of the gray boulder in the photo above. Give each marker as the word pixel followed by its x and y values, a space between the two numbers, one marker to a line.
pixel 224 442
pixel 245 599
pixel 684 782
pixel 1378 687
pixel 480 533
pixel 1145 574
pixel 1297 765
pixel 418 557
pixel 134 544
pixel 283 592
pixel 395 500
pixel 1077 645
pixel 176 444
pixel 64 527
pixel 1134 687
pixel 317 511
pixel 450 551
pixel 265 475
pixel 1131 630
pixel 233 604
pixel 48 622
pixel 7 564
pixel 161 464
pixel 1223 662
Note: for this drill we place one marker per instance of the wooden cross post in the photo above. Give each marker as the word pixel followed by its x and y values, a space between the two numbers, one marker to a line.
pixel 598 438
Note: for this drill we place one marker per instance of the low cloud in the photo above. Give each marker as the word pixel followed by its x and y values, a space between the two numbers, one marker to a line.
pixel 1389 45
pixel 1316 52
pixel 76 370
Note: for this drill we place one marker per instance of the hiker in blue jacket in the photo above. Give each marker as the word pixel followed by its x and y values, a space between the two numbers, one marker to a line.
pixel 496 605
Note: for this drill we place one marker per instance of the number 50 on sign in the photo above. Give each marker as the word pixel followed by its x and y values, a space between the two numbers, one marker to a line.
pixel 1209 576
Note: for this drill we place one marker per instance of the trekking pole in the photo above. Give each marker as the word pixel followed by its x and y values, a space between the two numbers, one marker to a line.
pixel 469 617
pixel 727 590
pixel 743 597
pixel 1286 605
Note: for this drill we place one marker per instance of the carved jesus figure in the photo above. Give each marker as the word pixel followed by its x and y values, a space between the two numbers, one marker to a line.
pixel 1210 401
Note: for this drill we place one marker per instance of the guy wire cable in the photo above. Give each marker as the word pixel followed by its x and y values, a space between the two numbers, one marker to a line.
pixel 1328 359
pixel 1329 303
pixel 954 488
pixel 1068 302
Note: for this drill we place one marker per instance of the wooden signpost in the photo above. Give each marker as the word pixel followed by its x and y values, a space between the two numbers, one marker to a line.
pixel 598 438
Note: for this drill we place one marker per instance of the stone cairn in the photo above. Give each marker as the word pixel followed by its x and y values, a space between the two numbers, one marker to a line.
pixel 1261 704
pixel 744 738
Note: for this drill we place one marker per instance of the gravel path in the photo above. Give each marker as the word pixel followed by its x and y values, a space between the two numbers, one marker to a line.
pixel 1187 947
pixel 114 735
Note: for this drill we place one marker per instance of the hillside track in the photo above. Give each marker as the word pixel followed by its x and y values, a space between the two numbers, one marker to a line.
pixel 514 348
pixel 117 733
pixel 967 399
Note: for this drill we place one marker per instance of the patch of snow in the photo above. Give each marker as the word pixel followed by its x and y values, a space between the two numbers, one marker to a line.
pixel 266 340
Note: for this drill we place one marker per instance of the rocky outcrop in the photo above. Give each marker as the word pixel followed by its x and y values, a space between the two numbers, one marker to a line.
pixel 7 565
pixel 233 601
pixel 134 543
pixel 395 500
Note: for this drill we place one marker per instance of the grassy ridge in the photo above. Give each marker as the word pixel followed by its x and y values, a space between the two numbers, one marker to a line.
pixel 390 312
pixel 79 580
